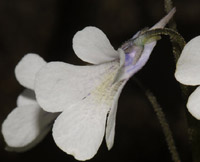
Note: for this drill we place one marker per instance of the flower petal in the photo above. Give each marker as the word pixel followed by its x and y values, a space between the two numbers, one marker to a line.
pixel 27 68
pixel 92 45
pixel 27 97
pixel 110 127
pixel 193 103
pixel 26 126
pixel 79 130
pixel 188 65
pixel 60 85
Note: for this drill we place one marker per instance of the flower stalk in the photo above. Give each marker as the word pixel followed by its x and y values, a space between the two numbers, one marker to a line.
pixel 165 126
pixel 163 122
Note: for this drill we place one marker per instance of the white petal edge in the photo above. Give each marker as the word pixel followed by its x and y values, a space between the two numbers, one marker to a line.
pixel 27 68
pixel 92 46
pixel 25 127
pixel 79 130
pixel 188 65
pixel 27 97
pixel 60 85
pixel 111 120
pixel 193 103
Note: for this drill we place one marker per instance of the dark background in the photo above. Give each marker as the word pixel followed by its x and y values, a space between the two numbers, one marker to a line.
pixel 47 27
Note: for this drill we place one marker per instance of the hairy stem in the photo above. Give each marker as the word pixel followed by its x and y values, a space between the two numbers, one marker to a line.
pixel 163 122
pixel 165 127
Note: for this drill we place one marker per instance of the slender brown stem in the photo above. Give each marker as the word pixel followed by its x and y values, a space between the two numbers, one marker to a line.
pixel 163 122
pixel 165 126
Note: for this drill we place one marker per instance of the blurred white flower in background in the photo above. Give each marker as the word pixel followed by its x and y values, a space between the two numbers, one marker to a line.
pixel 188 73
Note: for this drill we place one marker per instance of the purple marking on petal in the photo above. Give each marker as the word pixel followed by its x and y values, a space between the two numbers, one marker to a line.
pixel 130 67
pixel 129 58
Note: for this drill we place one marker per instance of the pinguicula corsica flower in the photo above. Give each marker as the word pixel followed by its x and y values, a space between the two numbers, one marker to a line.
pixel 86 96
pixel 187 72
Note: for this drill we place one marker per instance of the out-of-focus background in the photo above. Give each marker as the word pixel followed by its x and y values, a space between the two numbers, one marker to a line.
pixel 47 27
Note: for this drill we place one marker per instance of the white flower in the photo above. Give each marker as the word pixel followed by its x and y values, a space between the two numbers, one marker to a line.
pixel 27 124
pixel 187 72
pixel 87 96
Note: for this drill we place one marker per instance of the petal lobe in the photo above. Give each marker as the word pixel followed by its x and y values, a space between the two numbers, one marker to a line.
pixel 92 45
